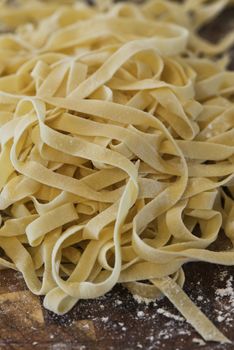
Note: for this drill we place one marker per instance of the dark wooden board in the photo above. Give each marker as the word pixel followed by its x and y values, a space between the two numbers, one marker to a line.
pixel 117 321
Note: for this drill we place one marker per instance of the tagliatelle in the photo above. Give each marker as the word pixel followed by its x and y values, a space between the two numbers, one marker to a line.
pixel 117 149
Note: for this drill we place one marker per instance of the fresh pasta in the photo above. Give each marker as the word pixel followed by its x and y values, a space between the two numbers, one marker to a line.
pixel 116 149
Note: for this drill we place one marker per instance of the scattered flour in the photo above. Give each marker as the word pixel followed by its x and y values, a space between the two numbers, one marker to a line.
pixel 141 300
pixel 220 318
pixel 184 332
pixel 170 315
pixel 140 314
pixel 228 291
pixel 222 275
pixel 164 334
pixel 151 338
pixel 226 311
pixel 139 345
pixel 85 326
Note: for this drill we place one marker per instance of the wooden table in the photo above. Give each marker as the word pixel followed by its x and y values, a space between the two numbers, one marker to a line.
pixel 117 320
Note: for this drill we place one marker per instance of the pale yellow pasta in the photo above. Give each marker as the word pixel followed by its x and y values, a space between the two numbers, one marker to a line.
pixel 116 143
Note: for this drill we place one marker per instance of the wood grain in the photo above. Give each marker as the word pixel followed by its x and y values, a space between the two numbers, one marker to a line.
pixel 117 321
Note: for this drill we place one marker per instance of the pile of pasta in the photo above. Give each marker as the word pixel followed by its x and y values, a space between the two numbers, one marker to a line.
pixel 117 149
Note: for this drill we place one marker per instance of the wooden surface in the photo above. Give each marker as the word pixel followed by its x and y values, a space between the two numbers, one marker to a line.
pixel 117 321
